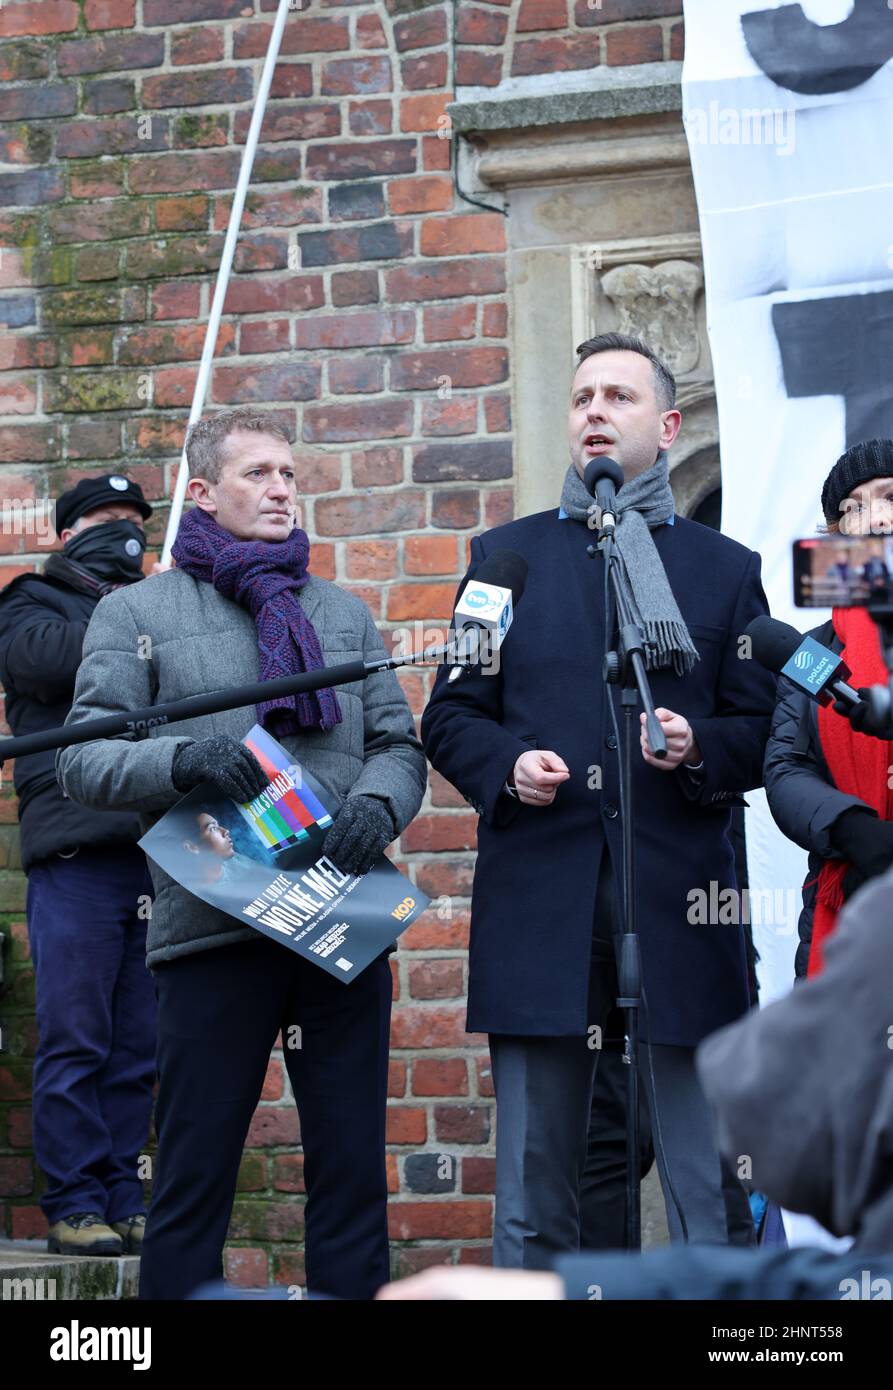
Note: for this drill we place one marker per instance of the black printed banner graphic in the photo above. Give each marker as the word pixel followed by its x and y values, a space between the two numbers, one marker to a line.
pixel 820 58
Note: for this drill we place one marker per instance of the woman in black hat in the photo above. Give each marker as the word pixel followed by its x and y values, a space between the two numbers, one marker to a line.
pixel 830 788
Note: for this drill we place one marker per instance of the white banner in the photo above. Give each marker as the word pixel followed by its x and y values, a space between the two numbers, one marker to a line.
pixel 788 110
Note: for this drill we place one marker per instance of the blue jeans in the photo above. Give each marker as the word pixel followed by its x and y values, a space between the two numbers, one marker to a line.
pixel 94 1069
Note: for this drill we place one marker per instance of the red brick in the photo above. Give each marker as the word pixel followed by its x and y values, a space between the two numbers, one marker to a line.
pixel 371 596
pixel 273 1124
pixel 384 328
pixel 610 11
pixel 19 18
pixel 441 831
pixel 90 347
pixel 214 86
pixel 478 1174
pixel 20 351
pixel 640 43
pixel 421 30
pixel 425 1025
pixel 273 294
pixel 438 1219
pixel 449 280
pixel 463 235
pixel 499 507
pixel 189 213
pixel 421 194
pixel 303 34
pixel 322 561
pixel 272 1088
pixel 356 375
pixel 677 41
pixel 541 14
pixel 495 320
pixel 443 793
pixel 246 1268
pixel 354 287
pixel 449 368
pixel 174 386
pixel 288 1173
pixel 369 516
pixel 353 159
pixel 457 510
pixel 27 1223
pixel 292 381
pixel 267 335
pixel 108 220
pixel 428 70
pixel 18 395
pixel 377 467
pixel 370 33
pixel 446 877
pixel 396 1077
pixel 462 1124
pixel 371 559
pixel 497 413
pixel 427 602
pixel 20 1134
pixel 181 11
pixel 105 180
pixel 308 121
pixel 176 301
pixel 447 322
pixel 110 14
pixel 429 555
pixel 479 26
pixel 96 439
pixel 475 69
pixel 118 53
pixel 370 118
pixel 31 443
pixel 436 979
pixel 197 46
pixel 16 1177
pixel 171 173
pixel 440 1076
pixel 565 54
pixel 292 80
pixel 436 151
pixel 450 417
pixel 356 76
pixel 317 470
pixel 484 1068
pixel 424 113
pixel 406 1124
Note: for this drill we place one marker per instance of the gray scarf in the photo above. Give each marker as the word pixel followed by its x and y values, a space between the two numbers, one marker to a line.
pixel 643 503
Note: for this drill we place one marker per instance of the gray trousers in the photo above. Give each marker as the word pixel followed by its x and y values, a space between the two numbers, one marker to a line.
pixel 543 1091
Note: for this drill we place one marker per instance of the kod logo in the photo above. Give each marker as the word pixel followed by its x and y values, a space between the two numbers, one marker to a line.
pixel 802 660
pixel 479 598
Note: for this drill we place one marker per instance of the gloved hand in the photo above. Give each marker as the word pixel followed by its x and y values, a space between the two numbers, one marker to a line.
pixel 225 762
pixel 362 830
pixel 865 840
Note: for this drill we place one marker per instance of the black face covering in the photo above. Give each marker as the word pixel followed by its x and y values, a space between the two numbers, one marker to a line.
pixel 113 551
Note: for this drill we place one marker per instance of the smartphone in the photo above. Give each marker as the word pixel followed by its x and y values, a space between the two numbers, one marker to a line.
pixel 842 571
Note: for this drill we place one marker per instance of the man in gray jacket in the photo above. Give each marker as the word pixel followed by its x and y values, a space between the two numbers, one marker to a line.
pixel 241 606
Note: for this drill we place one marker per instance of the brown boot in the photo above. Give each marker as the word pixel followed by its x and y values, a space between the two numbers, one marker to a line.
pixel 84 1233
pixel 131 1231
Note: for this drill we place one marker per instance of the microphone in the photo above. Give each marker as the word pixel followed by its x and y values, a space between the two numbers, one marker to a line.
pixel 814 669
pixel 484 610
pixel 601 479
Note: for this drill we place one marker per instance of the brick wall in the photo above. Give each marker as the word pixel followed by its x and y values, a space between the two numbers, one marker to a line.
pixel 368 311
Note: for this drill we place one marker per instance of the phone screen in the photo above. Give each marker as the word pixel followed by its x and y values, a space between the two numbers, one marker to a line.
pixel 842 571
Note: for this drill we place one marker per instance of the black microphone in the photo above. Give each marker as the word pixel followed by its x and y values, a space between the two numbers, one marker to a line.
pixel 601 479
pixel 814 669
pixel 485 607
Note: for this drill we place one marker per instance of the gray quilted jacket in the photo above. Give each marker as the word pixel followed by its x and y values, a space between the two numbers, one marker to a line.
pixel 173 636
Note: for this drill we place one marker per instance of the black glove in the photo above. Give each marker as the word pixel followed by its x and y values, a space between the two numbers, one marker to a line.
pixel 231 767
pixel 856 714
pixel 865 840
pixel 363 829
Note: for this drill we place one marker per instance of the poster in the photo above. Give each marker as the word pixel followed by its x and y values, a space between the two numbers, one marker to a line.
pixel 262 862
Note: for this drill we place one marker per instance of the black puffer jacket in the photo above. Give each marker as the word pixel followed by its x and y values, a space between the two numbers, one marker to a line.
pixel 802 796
pixel 42 626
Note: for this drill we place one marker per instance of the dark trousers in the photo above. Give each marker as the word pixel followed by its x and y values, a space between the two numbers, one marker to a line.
pixel 219 1012
pixel 95 1063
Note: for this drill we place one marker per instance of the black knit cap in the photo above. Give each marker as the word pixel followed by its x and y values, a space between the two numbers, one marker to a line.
pixel 92 493
pixel 870 458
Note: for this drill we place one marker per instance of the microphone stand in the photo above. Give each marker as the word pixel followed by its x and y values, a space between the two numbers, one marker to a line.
pixel 137 722
pixel 625 666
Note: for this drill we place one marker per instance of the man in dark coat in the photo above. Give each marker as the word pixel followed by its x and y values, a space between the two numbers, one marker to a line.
pixel 88 892
pixel 533 749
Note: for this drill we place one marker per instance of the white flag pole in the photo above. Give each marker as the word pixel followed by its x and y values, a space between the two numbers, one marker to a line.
pixel 223 272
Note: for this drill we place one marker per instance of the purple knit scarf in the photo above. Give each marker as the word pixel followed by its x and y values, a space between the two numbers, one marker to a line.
pixel 264 576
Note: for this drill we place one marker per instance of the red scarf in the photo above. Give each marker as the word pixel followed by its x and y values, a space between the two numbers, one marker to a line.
pixel 859 765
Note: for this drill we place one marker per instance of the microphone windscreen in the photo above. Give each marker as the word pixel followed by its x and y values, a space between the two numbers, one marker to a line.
pixel 773 643
pixel 506 569
pixel 601 468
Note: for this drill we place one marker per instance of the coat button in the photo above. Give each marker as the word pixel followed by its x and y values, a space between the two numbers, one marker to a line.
pixel 610 741
pixel 611 811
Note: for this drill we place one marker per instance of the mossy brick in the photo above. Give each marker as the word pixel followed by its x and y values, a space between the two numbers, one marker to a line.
pixel 118 135
pixel 23 62
pixel 19 943
pixel 12 892
pixel 194 132
pixel 19 994
pixel 185 214
pixel 88 391
pixel 97 263
pixel 105 97
pixel 15 1077
pixel 71 307
pixel 115 53
pixel 257 1219
pixel 19 228
pixel 46 265
pixel 106 221
pixel 25 143
pixel 166 257
pixel 88 347
pixel 10 847
pixel 252 1173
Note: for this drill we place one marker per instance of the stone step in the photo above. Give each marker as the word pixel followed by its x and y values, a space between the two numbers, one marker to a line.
pixel 42 1276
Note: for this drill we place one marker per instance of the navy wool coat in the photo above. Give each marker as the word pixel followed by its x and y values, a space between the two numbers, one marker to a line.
pixel 535 879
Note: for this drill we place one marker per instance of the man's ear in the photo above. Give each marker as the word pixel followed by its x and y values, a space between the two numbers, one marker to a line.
pixel 191 847
pixel 202 494
pixel 671 421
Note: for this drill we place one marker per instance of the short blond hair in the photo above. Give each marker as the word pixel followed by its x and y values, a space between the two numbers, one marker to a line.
pixel 206 441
